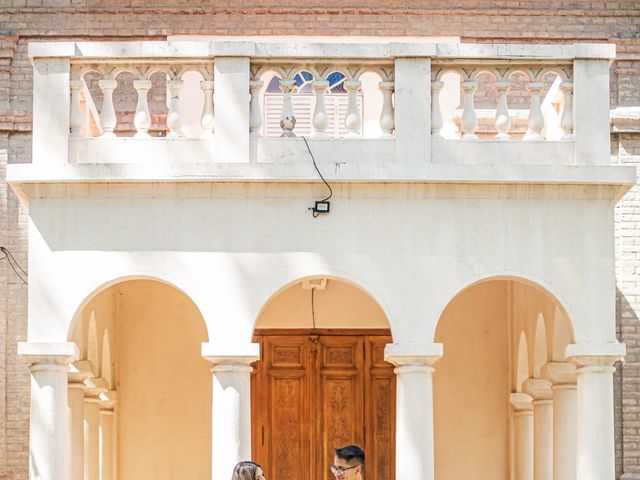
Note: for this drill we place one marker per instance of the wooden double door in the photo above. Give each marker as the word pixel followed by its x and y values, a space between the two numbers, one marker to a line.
pixel 317 390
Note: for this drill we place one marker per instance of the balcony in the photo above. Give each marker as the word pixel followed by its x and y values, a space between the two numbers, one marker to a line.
pixel 388 111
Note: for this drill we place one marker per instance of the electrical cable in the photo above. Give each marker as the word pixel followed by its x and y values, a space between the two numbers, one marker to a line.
pixel 13 263
pixel 315 214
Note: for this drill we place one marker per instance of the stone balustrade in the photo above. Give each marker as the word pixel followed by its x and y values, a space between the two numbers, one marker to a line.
pixel 559 80
pixel 481 103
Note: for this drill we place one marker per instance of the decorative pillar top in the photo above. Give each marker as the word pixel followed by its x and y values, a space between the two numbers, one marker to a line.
pixel 559 373
pixel 538 388
pixel 595 354
pixel 79 371
pixel 521 402
pixel 413 354
pixel 49 353
pixel 231 353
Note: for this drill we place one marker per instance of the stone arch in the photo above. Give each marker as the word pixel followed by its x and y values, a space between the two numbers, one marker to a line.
pixel 540 346
pixel 92 344
pixel 106 365
pixel 522 362
pixel 317 279
pixel 537 283
pixel 87 296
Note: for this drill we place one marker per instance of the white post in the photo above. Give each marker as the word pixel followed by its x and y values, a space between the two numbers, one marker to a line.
pixel 437 122
pixel 536 119
pixel 51 112
pixel 108 112
pixel 231 100
pixel 75 119
pixel 76 421
pixel 255 112
pixel 469 118
pixel 540 391
pixel 174 120
pixel 523 426
pixel 412 78
pixel 503 122
pixel 566 121
pixel 320 117
pixel 414 408
pixel 49 425
pixel 387 119
pixel 142 118
pixel 353 122
pixel 591 110
pixel 230 405
pixel 595 448
pixel 563 379
pixel 287 117
pixel 206 119
pixel 107 436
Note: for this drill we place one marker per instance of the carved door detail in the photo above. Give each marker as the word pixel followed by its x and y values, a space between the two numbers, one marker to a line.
pixel 315 391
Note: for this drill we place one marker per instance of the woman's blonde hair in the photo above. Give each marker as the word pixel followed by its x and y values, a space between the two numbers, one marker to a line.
pixel 245 471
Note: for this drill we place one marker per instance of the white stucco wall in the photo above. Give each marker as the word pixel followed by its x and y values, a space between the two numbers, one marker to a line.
pixel 230 247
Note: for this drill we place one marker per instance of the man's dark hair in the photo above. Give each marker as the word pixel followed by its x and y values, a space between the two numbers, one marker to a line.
pixel 351 452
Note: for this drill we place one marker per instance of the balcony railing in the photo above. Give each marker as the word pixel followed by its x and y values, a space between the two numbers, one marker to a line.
pixel 380 103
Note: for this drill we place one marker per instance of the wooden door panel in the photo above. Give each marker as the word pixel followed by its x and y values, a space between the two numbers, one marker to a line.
pixel 314 393
pixel 340 397
pixel 380 408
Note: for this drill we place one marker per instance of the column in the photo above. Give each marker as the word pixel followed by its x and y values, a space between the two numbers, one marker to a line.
pixel 230 404
pixel 75 119
pixel 142 118
pixel 94 388
pixel 49 437
pixel 523 426
pixel 540 391
pixel 595 444
pixel 414 408
pixel 76 377
pixel 107 451
pixel 108 118
pixel 563 379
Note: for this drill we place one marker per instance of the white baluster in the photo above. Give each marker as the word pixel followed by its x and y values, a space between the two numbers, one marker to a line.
pixel 206 120
pixel 287 117
pixel 437 121
pixel 75 120
pixel 536 119
pixel 108 112
pixel 352 121
pixel 387 115
pixel 320 117
pixel 566 121
pixel 469 118
pixel 174 119
pixel 142 119
pixel 255 112
pixel 503 122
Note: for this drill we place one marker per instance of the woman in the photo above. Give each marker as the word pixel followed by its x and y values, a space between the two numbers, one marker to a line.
pixel 248 471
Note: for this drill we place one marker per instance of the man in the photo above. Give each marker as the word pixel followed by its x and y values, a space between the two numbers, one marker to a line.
pixel 348 463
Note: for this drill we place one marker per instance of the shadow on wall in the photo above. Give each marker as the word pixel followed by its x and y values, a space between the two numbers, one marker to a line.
pixel 627 322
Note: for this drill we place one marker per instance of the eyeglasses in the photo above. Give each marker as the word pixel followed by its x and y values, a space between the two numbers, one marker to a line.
pixel 338 471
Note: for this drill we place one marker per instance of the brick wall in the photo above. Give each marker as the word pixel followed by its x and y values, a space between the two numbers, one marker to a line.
pixel 474 21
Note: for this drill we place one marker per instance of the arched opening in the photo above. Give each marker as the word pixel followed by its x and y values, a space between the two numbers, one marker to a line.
pixel 322 382
pixel 148 369
pixel 495 336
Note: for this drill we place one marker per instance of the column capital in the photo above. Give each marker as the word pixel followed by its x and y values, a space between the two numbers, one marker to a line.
pixel 595 355
pixel 108 401
pixel 413 354
pixel 78 372
pixel 559 373
pixel 538 388
pixel 49 353
pixel 521 402
pixel 95 386
pixel 231 354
